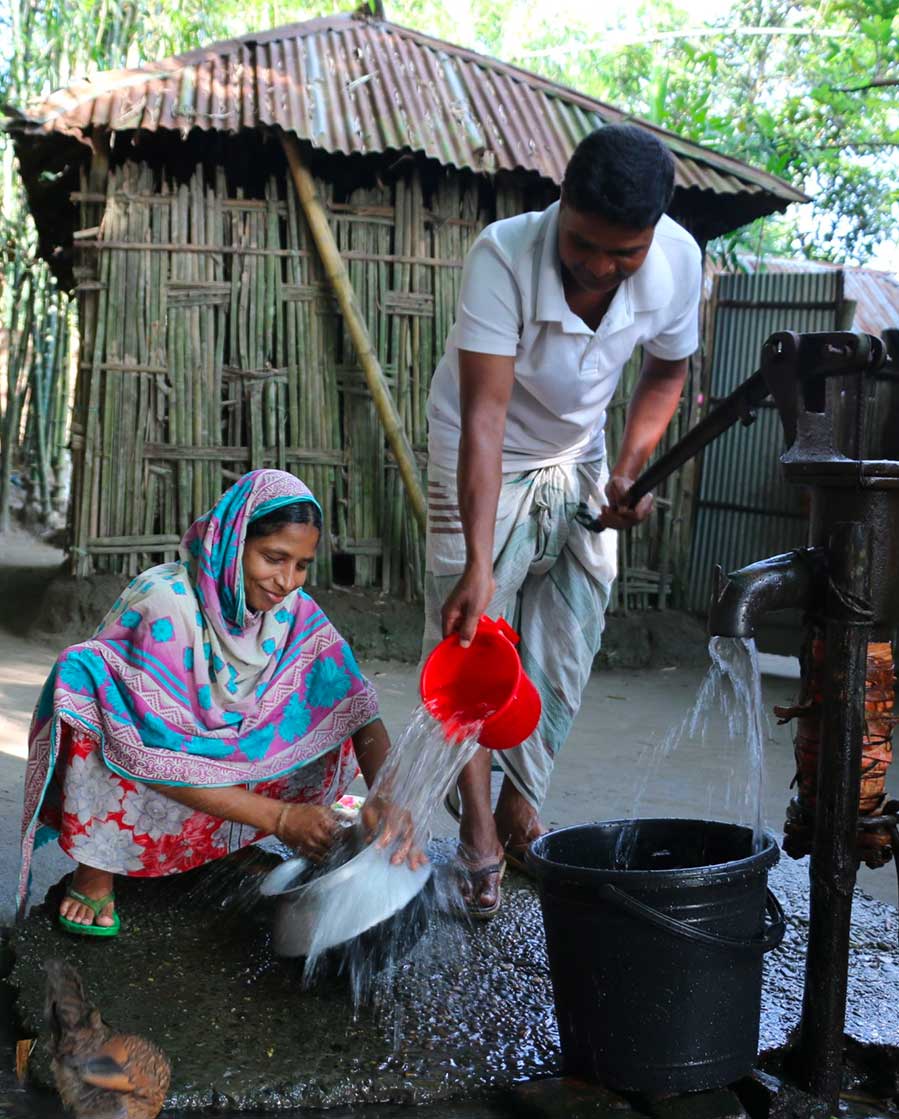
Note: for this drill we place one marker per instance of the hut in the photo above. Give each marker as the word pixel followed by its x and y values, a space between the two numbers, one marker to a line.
pixel 204 210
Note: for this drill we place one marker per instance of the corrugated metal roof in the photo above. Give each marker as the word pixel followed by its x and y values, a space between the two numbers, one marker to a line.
pixel 876 293
pixel 352 84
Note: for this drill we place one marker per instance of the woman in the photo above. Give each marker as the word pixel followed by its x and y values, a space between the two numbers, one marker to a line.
pixel 214 705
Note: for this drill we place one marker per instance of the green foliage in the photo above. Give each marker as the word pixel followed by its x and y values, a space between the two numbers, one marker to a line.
pixel 786 85
pixel 51 42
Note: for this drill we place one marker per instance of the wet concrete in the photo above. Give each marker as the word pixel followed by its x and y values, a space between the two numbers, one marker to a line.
pixel 873 968
pixel 469 1011
pixel 465 1013
pixel 232 994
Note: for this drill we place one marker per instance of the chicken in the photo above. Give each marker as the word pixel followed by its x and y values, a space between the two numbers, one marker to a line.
pixel 100 1074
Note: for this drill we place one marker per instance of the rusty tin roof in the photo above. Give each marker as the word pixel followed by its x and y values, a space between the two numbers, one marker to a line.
pixel 353 84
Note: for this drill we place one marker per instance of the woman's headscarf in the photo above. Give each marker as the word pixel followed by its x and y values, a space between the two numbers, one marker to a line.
pixel 182 684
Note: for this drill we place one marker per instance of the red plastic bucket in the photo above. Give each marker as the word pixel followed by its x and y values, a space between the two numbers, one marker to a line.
pixel 483 682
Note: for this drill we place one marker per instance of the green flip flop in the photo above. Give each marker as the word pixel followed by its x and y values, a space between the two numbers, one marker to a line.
pixel 96 905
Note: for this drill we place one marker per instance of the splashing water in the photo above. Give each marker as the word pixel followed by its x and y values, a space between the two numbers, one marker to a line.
pixel 732 685
pixel 421 768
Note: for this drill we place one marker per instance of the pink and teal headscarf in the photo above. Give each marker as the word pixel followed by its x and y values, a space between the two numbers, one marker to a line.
pixel 183 684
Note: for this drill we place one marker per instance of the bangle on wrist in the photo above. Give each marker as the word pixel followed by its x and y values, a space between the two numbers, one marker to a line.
pixel 280 821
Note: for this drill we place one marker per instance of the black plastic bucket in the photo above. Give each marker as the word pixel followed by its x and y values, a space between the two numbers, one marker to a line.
pixel 655 931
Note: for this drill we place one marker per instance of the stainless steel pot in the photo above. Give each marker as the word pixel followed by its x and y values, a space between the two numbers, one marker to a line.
pixel 315 914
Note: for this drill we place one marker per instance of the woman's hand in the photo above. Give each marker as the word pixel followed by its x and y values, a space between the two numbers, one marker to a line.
pixel 387 824
pixel 308 829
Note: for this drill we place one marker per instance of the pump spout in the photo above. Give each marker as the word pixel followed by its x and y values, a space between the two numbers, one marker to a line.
pixel 789 581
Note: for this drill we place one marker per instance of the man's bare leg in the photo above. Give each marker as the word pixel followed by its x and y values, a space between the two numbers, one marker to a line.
pixel 477 828
pixel 516 821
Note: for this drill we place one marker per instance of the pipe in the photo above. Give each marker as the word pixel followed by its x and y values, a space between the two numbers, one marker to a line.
pixel 786 359
pixel 833 864
pixel 740 407
pixel 781 582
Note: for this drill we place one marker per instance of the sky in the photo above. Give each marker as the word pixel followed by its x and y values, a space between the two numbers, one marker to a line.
pixel 886 258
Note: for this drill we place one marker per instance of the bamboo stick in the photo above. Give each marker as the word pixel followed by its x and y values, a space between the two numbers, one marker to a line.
pixel 382 214
pixel 200 345
pixel 294 334
pixel 61 416
pixel 218 325
pixel 14 401
pixel 374 375
pixel 143 298
pixel 91 392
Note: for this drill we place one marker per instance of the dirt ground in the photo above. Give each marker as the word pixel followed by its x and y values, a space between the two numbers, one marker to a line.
pixel 55 607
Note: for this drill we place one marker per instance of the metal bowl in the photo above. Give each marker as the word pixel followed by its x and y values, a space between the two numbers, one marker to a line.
pixel 315 914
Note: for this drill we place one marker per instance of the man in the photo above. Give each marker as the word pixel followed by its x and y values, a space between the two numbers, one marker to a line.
pixel 551 308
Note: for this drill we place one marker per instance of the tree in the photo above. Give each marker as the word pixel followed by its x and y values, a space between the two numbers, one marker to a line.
pixel 803 89
pixel 50 42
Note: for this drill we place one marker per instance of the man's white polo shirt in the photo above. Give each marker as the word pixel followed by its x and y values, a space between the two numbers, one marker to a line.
pixel 512 303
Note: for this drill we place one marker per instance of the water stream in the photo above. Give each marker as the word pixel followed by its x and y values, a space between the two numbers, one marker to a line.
pixel 733 687
pixel 421 768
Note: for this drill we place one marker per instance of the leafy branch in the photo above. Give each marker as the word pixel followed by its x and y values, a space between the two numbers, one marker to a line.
pixel 877 83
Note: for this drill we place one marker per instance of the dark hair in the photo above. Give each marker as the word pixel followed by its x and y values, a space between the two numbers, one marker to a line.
pixel 297 513
pixel 621 173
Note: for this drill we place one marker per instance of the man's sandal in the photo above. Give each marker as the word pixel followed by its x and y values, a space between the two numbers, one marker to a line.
pixel 96 906
pixel 515 856
pixel 473 878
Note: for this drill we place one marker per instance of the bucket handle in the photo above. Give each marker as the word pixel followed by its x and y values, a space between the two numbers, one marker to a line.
pixel 774 929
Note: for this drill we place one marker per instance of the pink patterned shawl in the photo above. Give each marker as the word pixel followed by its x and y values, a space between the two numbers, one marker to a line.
pixel 183 685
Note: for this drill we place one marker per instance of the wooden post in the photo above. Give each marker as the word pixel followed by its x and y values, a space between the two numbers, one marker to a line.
pixel 349 308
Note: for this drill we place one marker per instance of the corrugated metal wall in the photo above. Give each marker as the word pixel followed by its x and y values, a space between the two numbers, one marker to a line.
pixel 745 510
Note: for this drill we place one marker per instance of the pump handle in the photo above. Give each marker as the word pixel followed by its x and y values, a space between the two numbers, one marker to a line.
pixel 787 359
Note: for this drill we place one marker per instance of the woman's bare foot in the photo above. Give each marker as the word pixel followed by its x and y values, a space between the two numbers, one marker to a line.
pixel 93 884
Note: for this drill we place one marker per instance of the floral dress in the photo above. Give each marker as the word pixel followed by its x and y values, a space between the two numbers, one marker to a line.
pixel 126 827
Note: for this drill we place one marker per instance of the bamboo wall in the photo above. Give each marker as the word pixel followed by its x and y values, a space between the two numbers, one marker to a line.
pixel 211 344
pixel 654 558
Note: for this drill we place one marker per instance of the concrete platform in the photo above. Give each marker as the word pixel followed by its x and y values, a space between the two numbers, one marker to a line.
pixel 470 1008
pixel 467 1010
